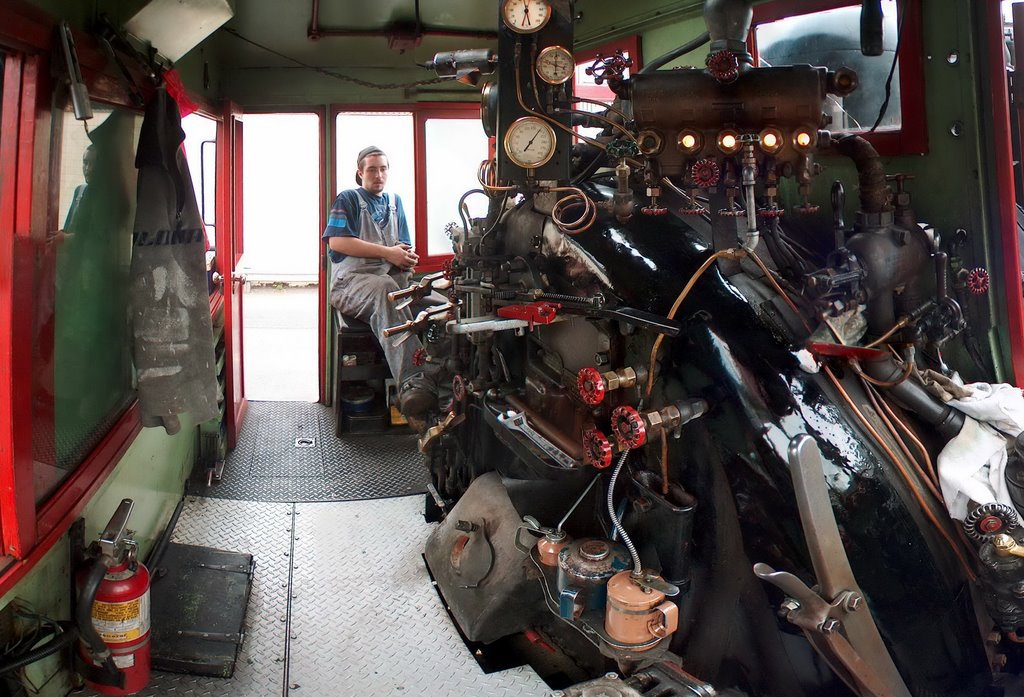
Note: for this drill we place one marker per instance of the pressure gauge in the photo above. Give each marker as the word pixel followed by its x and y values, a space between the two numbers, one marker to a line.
pixel 529 142
pixel 555 65
pixel 489 108
pixel 526 16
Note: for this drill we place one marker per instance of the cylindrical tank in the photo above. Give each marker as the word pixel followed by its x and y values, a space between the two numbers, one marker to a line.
pixel 584 567
pixel 636 616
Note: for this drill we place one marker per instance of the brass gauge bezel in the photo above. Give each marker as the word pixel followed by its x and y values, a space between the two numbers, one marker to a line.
pixel 514 128
pixel 489 108
pixel 546 55
pixel 525 30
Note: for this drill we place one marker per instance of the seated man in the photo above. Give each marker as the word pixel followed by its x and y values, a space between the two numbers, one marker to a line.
pixel 371 255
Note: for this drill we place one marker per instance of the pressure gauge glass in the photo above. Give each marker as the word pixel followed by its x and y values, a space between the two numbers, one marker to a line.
pixel 529 142
pixel 526 16
pixel 555 65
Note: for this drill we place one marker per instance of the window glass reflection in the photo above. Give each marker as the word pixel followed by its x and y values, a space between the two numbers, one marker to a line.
pixel 82 375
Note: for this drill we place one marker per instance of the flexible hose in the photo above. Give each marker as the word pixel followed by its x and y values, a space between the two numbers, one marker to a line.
pixel 637 569
pixel 68 633
pixel 692 45
pixel 83 616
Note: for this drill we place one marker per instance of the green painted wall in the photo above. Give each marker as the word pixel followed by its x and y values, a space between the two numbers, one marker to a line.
pixel 152 473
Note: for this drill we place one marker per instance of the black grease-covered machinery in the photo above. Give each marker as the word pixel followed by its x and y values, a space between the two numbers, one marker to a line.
pixel 684 442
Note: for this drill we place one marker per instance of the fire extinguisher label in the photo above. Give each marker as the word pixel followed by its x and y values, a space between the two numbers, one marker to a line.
pixel 118 623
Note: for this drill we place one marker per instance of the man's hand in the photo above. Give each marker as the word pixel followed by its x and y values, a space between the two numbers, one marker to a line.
pixel 402 256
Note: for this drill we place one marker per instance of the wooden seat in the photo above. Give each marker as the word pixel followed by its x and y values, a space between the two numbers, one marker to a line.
pixel 353 337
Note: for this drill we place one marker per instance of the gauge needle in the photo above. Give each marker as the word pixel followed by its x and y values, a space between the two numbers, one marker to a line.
pixel 526 13
pixel 531 141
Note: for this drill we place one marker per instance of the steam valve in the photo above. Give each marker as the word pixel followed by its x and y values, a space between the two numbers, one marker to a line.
pixel 593 384
pixel 978 281
pixel 629 427
pixel 632 428
pixel 705 173
pixel 597 449
pixel 723 66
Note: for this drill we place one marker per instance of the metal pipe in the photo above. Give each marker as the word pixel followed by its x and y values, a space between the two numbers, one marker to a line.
pixel 874 192
pixel 573 448
pixel 728 23
pixel 911 396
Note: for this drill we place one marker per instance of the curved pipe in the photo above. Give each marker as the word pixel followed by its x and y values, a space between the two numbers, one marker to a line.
pixel 83 616
pixel 874 193
pixel 728 23
pixel 67 635
pixel 911 396
pixel 666 58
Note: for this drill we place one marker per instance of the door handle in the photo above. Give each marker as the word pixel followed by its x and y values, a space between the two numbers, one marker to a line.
pixel 238 278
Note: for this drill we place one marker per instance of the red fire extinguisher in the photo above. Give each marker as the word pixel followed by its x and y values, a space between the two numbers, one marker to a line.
pixel 114 617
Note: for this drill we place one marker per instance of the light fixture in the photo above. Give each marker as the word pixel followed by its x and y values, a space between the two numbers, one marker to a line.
pixel 728 141
pixel 690 142
pixel 803 140
pixel 771 140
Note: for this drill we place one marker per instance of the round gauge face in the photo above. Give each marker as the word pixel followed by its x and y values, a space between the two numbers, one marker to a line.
pixel 526 16
pixel 555 65
pixel 529 142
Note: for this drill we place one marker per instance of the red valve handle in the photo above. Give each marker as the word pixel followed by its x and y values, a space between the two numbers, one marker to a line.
pixel 591 386
pixel 629 428
pixel 597 449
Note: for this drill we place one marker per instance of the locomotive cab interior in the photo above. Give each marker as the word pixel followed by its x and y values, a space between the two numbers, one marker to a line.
pixel 727 337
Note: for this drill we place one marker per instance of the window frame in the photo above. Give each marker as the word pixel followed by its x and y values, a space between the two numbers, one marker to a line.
pixel 421 113
pixel 911 138
pixel 27 531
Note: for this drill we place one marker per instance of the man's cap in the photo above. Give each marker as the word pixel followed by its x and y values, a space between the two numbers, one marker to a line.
pixel 363 154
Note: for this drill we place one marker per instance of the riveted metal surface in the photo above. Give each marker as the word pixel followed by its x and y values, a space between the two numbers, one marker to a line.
pixel 366 619
pixel 263 530
pixel 266 465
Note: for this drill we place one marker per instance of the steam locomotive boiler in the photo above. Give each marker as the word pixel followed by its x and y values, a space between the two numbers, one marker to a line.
pixel 689 442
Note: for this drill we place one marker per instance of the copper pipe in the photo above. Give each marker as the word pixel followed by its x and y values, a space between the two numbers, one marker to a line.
pixel 573 448
pixel 664 464
pixel 915 491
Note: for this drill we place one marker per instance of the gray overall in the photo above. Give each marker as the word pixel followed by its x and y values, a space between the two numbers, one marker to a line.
pixel 360 287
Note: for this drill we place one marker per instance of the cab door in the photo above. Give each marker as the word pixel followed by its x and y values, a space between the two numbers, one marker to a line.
pixel 229 252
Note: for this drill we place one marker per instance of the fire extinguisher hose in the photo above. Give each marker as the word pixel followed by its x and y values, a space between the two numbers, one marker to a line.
pixel 83 617
pixel 65 633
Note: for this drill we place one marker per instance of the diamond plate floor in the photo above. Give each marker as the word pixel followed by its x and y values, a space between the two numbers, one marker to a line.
pixel 341 606
pixel 266 465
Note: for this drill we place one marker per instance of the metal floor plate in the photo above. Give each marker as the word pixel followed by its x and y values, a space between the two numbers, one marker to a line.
pixel 366 619
pixel 342 606
pixel 266 465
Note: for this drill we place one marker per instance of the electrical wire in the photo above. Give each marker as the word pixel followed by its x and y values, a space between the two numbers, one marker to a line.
pixel 331 73
pixel 892 69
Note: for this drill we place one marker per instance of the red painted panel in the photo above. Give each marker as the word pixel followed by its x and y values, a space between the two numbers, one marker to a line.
pixel 229 231
pixel 9 122
pixel 912 137
pixel 1003 166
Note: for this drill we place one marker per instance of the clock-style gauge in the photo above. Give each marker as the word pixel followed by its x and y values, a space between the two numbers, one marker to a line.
pixel 526 16
pixel 529 142
pixel 555 65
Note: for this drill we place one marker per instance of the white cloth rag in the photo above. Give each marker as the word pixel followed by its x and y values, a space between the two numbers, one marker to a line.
pixel 971 466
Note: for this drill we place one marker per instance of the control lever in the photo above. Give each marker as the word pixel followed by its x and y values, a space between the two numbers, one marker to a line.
pixel 419 322
pixel 113 536
pixel 76 85
pixel 430 282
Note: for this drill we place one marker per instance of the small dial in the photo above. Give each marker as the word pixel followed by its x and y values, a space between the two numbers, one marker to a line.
pixel 526 16
pixel 529 142
pixel 555 65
